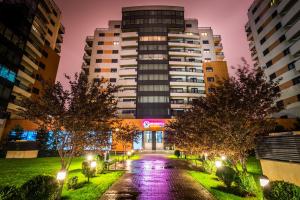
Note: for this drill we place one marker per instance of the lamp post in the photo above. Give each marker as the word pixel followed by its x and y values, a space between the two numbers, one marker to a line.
pixel 265 184
pixel 60 177
pixel 218 163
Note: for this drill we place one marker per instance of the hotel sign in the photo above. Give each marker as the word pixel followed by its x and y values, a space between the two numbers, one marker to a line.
pixel 153 123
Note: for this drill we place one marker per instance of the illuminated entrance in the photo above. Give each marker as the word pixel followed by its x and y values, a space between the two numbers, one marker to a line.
pixel 153 140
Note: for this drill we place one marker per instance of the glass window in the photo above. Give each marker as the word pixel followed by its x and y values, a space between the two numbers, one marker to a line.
pixel 210 79
pixel 153 57
pixel 209 69
pixel 205 42
pixel 153 38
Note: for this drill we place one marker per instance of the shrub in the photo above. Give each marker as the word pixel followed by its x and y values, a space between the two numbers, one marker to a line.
pixel 87 170
pixel 208 166
pixel 9 193
pixel 177 153
pixel 72 183
pixel 226 174
pixel 246 182
pixel 281 190
pixel 40 187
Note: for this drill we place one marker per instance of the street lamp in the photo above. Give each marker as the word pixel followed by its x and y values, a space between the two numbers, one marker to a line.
pixel 61 175
pixel 264 181
pixel 93 164
pixel 218 163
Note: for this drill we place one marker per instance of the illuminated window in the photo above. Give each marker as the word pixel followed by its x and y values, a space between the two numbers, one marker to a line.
pixel 204 34
pixel 7 74
pixel 153 38
pixel 116 43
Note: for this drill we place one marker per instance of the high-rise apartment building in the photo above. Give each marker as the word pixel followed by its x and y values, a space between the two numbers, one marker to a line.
pixel 274 31
pixel 156 56
pixel 31 36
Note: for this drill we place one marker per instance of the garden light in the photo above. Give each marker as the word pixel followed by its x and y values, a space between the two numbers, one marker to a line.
pixel 129 153
pixel 93 164
pixel 264 181
pixel 61 175
pixel 132 151
pixel 89 157
pixel 218 163
pixel 223 157
pixel 117 129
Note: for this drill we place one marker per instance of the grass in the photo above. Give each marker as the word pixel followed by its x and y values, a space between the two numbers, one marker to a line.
pixel 18 171
pixel 210 182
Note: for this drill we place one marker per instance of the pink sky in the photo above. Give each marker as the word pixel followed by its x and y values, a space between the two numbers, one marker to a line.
pixel 81 17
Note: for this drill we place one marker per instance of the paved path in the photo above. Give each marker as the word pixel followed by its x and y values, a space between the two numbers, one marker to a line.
pixel 155 177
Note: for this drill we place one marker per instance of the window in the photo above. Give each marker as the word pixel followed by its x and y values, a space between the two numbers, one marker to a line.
pixel 116 34
pixel 42 65
pixel 262 40
pixel 272 76
pixel 206 51
pixel 188 25
pixel 274 14
pixel 204 34
pixel 99 51
pixel 209 69
pixel 268 64
pixel 153 67
pixel 153 47
pixel 117 26
pixel 153 88
pixel 280 104
pixel 265 52
pixel 50 32
pixel 45 54
pixel 205 42
pixel 154 99
pixel 7 74
pixel 210 79
pixel 98 60
pixel 291 66
pixel 96 80
pixel 115 51
pixel 116 43
pixel 260 29
pixel 296 80
pixel 286 52
pixel 153 57
pixel 282 38
pixel 114 60
pixel 146 77
pixel 112 80
pixel 211 90
pixel 101 43
pixel 278 26
pixel 101 34
pixel 257 19
pixel 35 90
pixel 113 70
pixel 97 70
pixel 153 38
pixel 52 22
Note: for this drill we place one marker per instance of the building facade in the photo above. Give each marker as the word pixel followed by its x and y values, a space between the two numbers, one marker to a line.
pixel 273 31
pixel 156 56
pixel 31 36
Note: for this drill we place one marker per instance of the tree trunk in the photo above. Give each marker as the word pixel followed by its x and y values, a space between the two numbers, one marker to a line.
pixel 244 164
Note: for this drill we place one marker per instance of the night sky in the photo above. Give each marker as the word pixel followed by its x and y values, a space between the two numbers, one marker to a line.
pixel 81 17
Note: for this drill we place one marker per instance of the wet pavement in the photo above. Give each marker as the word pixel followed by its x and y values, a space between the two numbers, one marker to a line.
pixel 156 177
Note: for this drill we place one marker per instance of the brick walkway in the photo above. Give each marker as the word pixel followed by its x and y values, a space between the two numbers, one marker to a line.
pixel 157 178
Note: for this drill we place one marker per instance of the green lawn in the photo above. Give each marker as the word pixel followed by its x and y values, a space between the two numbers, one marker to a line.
pixel 210 182
pixel 17 171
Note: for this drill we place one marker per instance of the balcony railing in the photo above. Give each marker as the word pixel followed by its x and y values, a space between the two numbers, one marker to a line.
pixel 187 70
pixel 188 80
pixel 188 91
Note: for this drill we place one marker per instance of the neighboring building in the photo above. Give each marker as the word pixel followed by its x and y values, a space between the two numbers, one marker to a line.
pixel 31 37
pixel 156 56
pixel 274 34
pixel 274 31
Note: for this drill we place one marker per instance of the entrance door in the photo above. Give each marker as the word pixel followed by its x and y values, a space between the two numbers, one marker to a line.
pixel 148 140
pixel 159 140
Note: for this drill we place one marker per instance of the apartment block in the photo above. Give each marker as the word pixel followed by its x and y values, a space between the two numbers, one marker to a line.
pixel 273 31
pixel 156 56
pixel 33 31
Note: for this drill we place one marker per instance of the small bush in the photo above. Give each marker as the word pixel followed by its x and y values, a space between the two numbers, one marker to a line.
pixel 72 183
pixel 208 166
pixel 177 153
pixel 40 187
pixel 281 190
pixel 87 171
pixel 246 182
pixel 9 193
pixel 227 175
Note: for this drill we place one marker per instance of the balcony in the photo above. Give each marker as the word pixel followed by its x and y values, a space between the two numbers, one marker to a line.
pixel 220 56
pixel 128 62
pixel 58 47
pixel 184 53
pixel 186 93
pixel 129 104
pixel 292 32
pixel 85 66
pixel 290 14
pixel 129 35
pixel 183 44
pixel 183 35
pixel 186 72
pixel 184 63
pixel 34 49
pixel 297 64
pixel 126 93
pixel 127 82
pixel 89 40
pixel 219 47
pixel 295 49
pixel 88 49
pixel 61 29
pixel 129 43
pixel 217 38
pixel 124 53
pixel 22 89
pixel 86 57
pixel 59 38
pixel 181 82
pixel 29 62
pixel 26 76
pixel 282 5
pixel 127 72
pixel 13 106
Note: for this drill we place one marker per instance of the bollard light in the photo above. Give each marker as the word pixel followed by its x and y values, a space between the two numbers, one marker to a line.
pixel 218 163
pixel 93 164
pixel 61 175
pixel 223 157
pixel 264 181
pixel 89 157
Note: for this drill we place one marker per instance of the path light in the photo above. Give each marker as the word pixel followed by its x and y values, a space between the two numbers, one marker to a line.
pixel 223 157
pixel 93 164
pixel 129 153
pixel 61 175
pixel 132 151
pixel 218 163
pixel 89 157
pixel 264 181
pixel 117 129
pixel 205 156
